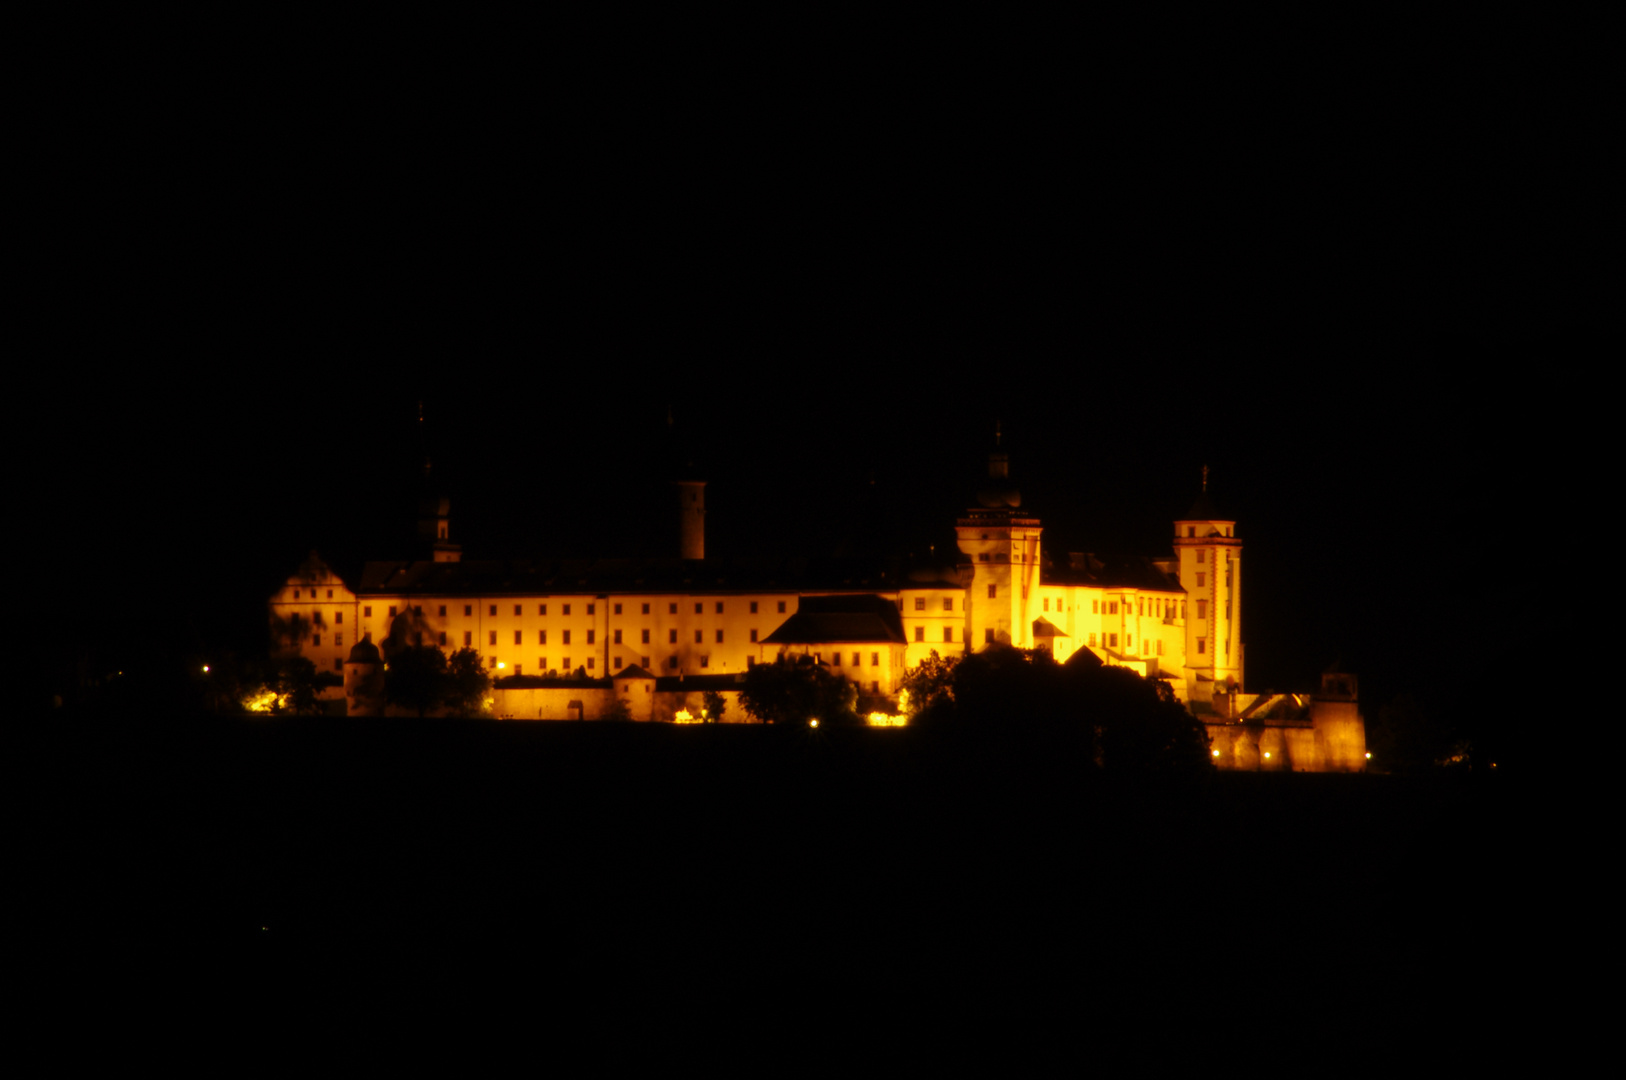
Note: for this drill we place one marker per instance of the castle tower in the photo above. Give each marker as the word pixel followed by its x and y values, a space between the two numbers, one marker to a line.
pixel 1210 568
pixel 434 509
pixel 691 518
pixel 1001 546
pixel 364 680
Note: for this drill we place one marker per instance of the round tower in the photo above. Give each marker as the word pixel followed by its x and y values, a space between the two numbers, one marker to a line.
pixel 364 680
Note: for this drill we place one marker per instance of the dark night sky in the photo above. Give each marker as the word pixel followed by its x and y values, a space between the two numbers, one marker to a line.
pixel 1292 264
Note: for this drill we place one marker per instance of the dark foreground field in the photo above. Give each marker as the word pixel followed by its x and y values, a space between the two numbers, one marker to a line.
pixel 878 858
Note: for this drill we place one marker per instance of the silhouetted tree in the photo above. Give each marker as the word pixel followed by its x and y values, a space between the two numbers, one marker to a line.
pixel 468 683
pixel 930 685
pixel 794 691
pixel 712 706
pixel 417 678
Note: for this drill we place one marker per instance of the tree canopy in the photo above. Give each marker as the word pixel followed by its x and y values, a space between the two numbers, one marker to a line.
pixel 796 691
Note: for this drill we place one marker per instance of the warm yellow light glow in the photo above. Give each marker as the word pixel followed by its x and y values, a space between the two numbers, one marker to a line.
pixel 1216 753
pixel 501 664
pixel 684 716
pixel 813 722
pixel 1267 753
pixel 265 701
pixel 881 719
pixel 205 669
pixel 1369 755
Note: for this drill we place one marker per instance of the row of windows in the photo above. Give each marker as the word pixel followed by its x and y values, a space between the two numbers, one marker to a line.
pixel 948 603
pixel 542 609
pixel 592 637
pixel 948 633
pixel 313 594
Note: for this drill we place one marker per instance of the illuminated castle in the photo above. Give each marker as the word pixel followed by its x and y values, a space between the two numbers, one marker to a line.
pixel 570 638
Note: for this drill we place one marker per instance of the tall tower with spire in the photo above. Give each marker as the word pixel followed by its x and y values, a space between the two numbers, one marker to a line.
pixel 434 508
pixel 1210 567
pixel 1001 546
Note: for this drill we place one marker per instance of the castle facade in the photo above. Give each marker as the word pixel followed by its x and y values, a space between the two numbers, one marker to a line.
pixel 1176 618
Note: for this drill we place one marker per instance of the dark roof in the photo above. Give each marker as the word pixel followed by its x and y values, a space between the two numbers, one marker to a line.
pixel 1204 510
pixel 364 652
pixel 548 682
pixel 574 576
pixel 1046 628
pixel 633 671
pixel 840 619
pixel 1137 572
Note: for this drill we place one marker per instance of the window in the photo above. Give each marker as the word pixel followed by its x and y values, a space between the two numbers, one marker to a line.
pixel 719 607
pixel 618 609
pixel 719 637
pixel 838 659
pixel 1092 641
pixel 590 636
pixel 948 633
pixel 468 609
pixel 1112 607
pixel 565 665
pixel 920 633
pixel 1112 640
pixel 753 607
pixel 753 636
pixel 518 639
pixel 1047 603
pixel 874 659
pixel 671 637
pixel 316 639
pixel 541 637
pixel 468 639
pixel 645 663
pixel 1191 530
pixel 338 640
pixel 517 611
pixel 564 609
pixel 542 663
pixel 705 661
pixel 616 664
pixel 671 609
pixel 982 557
pixel 699 609
pixel 671 661
pixel 443 611
pixel 418 611
pixel 590 661
pixel 566 637
pixel 1160 648
pixel 338 616
pixel 330 594
pixel 646 609
pixel 993 591
pixel 493 637
pixel 1202 645
pixel 781 607
pixel 1202 609
pixel 541 609
pixel 591 608
pixel 920 603
pixel 617 638
pixel 1201 555
pixel 338 663
pixel 1129 641
pixel 296 594
pixel 392 611
pixel 948 603
pixel 1202 579
pixel 646 637
pixel 1095 607
pixel 443 639
pixel 988 635
pixel 493 609
pixel 697 637
pixel 1140 606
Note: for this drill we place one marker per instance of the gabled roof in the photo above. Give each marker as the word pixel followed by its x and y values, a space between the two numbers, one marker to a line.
pixel 858 618
pixel 1046 628
pixel 632 671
